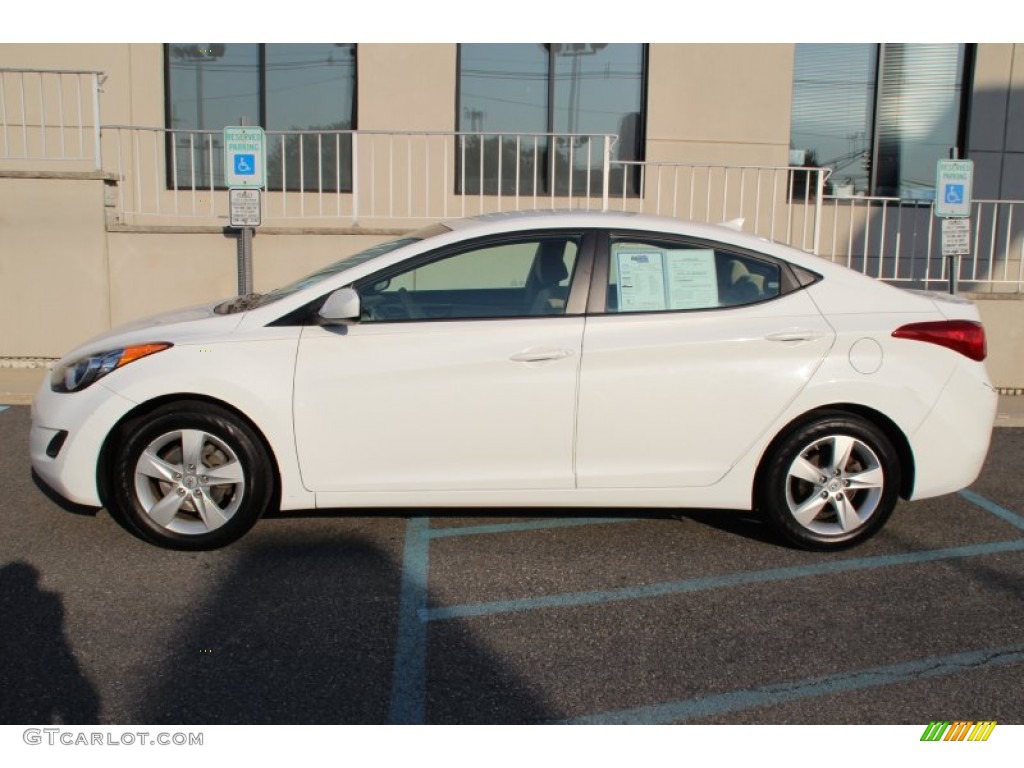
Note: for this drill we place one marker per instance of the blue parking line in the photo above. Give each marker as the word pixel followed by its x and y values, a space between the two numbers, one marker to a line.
pixel 572 599
pixel 782 693
pixel 409 680
pixel 408 694
pixel 990 506
pixel 3 407
pixel 533 525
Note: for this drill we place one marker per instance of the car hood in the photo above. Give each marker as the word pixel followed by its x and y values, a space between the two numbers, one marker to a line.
pixel 192 324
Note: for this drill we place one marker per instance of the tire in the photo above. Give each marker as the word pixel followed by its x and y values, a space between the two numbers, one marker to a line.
pixel 831 483
pixel 190 476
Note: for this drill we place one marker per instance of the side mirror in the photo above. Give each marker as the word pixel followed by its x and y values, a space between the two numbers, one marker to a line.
pixel 340 306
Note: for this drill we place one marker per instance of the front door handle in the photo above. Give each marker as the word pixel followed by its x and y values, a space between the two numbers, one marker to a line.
pixel 540 354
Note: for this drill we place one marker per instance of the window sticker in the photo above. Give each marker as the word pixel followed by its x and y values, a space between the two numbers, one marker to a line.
pixel 653 280
pixel 641 281
pixel 692 279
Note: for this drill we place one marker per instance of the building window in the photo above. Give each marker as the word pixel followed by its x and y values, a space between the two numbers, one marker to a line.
pixel 880 116
pixel 532 116
pixel 302 94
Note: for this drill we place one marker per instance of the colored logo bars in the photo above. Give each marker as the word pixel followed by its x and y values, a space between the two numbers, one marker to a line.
pixel 961 730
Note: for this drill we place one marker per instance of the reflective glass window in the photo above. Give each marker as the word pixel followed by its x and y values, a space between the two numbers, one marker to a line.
pixel 306 90
pixel 532 117
pixel 879 116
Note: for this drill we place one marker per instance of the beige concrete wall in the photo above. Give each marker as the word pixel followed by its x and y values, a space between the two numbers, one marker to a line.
pixel 401 87
pixel 1003 318
pixel 63 282
pixel 701 98
pixel 153 272
pixel 279 259
pixel 702 102
pixel 719 103
pixel 406 87
pixel 701 95
pixel 53 265
pixel 133 90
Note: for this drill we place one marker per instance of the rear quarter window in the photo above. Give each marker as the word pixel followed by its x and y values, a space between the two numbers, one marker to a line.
pixel 650 276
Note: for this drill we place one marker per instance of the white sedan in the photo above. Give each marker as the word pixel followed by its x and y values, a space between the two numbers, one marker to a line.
pixel 531 360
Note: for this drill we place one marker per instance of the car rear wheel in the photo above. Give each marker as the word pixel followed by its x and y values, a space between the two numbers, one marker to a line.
pixel 190 476
pixel 831 483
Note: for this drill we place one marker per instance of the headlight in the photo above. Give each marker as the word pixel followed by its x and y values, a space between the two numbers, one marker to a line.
pixel 88 370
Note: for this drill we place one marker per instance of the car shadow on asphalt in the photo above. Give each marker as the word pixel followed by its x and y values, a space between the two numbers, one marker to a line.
pixel 305 630
pixel 742 523
pixel 738 522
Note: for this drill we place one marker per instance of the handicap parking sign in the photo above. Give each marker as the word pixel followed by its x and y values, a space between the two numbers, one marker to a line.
pixel 244 157
pixel 954 194
pixel 245 165
pixel 954 180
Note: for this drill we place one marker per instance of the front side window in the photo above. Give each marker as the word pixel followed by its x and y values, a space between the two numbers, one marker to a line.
pixel 348 262
pixel 520 278
pixel 651 276
pixel 512 97
pixel 302 94
pixel 879 116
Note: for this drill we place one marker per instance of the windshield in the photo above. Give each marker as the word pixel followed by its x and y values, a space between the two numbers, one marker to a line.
pixel 253 300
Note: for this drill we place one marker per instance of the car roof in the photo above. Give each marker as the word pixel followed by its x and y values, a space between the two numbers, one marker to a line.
pixel 728 234
pixel 551 219
pixel 513 221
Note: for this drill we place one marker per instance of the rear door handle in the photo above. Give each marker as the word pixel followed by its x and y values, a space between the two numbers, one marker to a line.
pixel 540 354
pixel 793 334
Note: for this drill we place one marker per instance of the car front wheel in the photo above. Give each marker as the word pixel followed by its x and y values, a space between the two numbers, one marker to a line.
pixel 831 483
pixel 190 476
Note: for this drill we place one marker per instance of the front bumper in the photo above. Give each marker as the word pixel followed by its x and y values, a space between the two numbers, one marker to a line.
pixel 87 417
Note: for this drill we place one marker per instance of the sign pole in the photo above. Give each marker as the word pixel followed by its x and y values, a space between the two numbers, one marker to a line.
pixel 954 181
pixel 245 261
pixel 952 262
pixel 245 174
pixel 246 214
pixel 954 273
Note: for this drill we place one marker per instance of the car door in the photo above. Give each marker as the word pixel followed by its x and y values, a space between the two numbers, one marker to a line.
pixel 460 375
pixel 691 352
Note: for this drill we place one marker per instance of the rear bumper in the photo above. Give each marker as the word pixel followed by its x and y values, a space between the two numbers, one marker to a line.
pixel 952 442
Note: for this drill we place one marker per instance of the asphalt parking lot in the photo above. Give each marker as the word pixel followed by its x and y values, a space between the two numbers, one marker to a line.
pixel 632 616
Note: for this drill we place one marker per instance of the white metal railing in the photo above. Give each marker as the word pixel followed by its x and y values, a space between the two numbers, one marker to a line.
pixel 393 178
pixel 901 241
pixel 50 116
pixel 782 204
pixel 385 177
pixel 357 177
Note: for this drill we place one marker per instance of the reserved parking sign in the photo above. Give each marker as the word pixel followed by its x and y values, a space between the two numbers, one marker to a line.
pixel 244 152
pixel 954 180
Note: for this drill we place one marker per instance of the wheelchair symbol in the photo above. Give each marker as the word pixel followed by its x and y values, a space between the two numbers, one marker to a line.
pixel 954 194
pixel 245 165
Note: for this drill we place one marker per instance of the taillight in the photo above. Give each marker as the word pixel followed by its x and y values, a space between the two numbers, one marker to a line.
pixel 964 336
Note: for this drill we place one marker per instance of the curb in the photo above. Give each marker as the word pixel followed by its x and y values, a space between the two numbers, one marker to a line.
pixel 26 363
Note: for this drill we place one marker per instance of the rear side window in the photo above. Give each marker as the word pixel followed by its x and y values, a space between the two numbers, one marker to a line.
pixel 647 276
